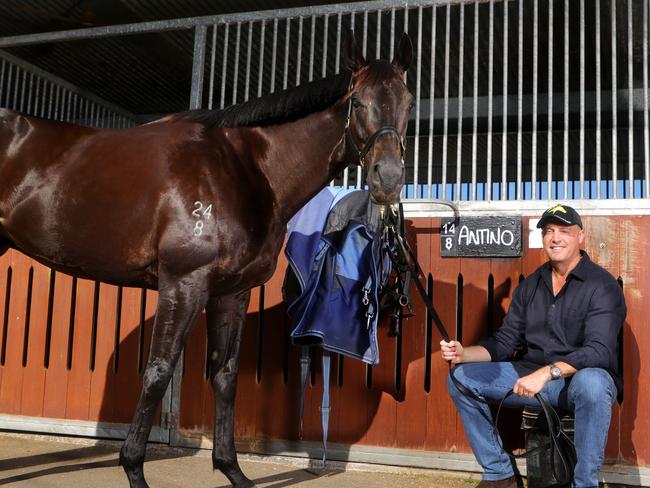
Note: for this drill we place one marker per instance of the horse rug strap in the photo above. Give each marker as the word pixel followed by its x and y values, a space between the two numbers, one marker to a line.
pixel 336 265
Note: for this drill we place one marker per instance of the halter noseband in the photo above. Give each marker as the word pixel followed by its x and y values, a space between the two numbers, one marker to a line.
pixel 387 129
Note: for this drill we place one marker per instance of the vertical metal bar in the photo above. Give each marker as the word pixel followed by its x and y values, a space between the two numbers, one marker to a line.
pixel 249 49
pixel 235 81
pixel 488 193
pixel 299 54
pixel 287 41
pixel 533 173
pixel 325 42
pixel 311 47
pixel 432 95
pixel 565 163
pixel 549 129
pixel 646 122
pixel 198 65
pixel 630 102
pixel 38 102
pixel 599 134
pixel 459 140
pixel 392 33
pixel 365 45
pixel 446 104
pixel 9 98
pixel 50 99
pixel 224 64
pixel 260 64
pixel 57 93
pixel 365 33
pixel 520 93
pixel 378 43
pixel 475 115
pixel 337 60
pixel 582 99
pixel 3 64
pixel 339 26
pixel 418 79
pixel 21 102
pixel 346 171
pixel 212 60
pixel 274 54
pixel 614 106
pixel 504 139
pixel 30 92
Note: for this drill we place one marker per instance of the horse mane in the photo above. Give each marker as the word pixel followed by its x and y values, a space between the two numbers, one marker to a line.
pixel 275 108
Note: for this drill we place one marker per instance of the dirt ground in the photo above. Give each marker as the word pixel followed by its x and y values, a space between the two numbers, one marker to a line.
pixel 59 462
pixel 33 461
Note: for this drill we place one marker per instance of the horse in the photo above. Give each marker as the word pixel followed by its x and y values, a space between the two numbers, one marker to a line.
pixel 195 205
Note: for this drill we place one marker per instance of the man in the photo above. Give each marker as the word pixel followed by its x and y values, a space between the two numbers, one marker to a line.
pixel 565 318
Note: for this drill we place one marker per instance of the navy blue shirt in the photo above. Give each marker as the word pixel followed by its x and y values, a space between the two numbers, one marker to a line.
pixel 580 325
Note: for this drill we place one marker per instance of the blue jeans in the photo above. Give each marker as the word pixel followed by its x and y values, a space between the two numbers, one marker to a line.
pixel 589 394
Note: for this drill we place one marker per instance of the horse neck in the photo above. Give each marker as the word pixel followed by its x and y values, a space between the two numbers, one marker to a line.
pixel 305 156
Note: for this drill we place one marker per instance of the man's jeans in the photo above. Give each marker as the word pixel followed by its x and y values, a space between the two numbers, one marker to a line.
pixel 589 393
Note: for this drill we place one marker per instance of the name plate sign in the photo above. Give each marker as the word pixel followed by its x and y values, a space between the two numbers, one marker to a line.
pixel 481 237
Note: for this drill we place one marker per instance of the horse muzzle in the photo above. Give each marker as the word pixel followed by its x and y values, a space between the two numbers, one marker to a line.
pixel 385 180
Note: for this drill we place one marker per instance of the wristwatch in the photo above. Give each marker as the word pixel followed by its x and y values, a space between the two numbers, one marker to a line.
pixel 556 374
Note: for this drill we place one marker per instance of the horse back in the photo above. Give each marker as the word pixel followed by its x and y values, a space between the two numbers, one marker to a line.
pixel 115 204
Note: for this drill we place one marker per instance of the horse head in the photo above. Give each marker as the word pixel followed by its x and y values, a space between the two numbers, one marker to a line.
pixel 379 103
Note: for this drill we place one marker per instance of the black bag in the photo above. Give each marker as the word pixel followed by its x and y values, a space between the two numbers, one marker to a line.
pixel 558 452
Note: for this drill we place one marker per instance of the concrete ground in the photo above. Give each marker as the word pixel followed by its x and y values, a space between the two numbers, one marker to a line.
pixel 62 462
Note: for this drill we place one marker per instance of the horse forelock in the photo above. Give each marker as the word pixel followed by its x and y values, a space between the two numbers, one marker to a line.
pixel 275 108
pixel 377 72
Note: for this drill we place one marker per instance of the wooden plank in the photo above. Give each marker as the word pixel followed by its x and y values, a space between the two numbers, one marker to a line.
pixel 245 402
pixel 103 386
pixel 193 382
pixel 442 418
pixel 79 376
pixel 5 264
pixel 412 412
pixel 603 244
pixel 127 376
pixel 12 381
pixel 634 425
pixel 34 388
pixel 56 377
pixel 275 396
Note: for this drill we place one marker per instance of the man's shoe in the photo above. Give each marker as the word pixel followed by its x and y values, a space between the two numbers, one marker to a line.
pixel 507 483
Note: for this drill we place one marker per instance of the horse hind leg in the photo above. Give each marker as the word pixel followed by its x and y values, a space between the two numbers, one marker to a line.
pixel 178 308
pixel 225 321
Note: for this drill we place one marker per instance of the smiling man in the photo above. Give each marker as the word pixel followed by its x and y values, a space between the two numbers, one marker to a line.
pixel 563 325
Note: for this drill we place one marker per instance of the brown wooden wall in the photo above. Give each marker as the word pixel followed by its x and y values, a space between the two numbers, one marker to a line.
pixel 75 349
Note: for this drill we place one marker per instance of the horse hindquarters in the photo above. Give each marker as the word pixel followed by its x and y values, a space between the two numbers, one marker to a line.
pixel 179 303
pixel 225 321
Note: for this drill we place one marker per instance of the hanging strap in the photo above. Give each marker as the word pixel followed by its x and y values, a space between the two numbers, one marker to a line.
pixel 305 359
pixel 325 402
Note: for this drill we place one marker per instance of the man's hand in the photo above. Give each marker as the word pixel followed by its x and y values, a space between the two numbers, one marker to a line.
pixel 529 386
pixel 452 351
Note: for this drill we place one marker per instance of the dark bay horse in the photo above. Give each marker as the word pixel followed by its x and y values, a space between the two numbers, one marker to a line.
pixel 195 205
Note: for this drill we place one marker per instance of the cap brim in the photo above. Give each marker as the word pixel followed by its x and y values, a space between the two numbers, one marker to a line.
pixel 555 218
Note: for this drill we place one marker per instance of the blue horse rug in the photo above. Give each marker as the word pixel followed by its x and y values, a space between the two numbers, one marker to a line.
pixel 337 263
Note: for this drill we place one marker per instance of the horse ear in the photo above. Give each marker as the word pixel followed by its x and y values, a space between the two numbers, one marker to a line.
pixel 351 55
pixel 404 54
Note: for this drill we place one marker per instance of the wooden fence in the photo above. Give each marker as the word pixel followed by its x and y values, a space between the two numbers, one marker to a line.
pixel 75 349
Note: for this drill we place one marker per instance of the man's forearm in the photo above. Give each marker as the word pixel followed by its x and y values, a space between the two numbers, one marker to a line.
pixel 475 354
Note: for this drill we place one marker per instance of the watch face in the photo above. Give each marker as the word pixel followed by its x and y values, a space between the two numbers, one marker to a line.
pixel 555 372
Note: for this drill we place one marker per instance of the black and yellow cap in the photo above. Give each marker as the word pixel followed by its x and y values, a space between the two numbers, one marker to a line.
pixel 560 214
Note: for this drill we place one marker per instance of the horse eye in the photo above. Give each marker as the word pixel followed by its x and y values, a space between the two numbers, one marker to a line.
pixel 411 105
pixel 356 103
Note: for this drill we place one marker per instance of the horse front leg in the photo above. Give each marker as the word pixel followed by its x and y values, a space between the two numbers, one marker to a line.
pixel 179 305
pixel 225 320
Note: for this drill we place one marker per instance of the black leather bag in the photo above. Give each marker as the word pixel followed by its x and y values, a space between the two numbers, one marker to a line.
pixel 558 452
